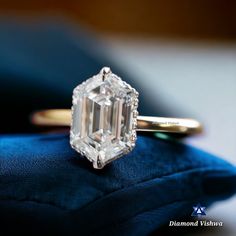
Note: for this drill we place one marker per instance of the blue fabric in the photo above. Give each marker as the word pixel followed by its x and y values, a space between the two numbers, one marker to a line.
pixel 46 187
pixel 45 183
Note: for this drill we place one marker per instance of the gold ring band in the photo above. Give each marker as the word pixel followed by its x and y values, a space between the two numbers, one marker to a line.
pixel 62 117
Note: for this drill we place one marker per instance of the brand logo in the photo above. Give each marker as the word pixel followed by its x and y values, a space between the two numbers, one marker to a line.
pixel 198 210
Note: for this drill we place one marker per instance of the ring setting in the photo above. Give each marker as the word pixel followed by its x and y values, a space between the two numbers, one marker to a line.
pixel 104 119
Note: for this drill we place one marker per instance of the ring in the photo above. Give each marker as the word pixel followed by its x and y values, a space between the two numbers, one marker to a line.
pixel 104 119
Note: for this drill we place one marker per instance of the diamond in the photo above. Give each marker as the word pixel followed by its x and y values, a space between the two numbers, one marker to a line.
pixel 104 118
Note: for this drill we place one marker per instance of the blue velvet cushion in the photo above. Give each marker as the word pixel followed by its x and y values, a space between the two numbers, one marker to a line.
pixel 46 187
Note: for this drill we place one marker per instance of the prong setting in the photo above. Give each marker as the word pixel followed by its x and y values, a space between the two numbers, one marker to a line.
pixel 104 118
pixel 98 164
pixel 105 71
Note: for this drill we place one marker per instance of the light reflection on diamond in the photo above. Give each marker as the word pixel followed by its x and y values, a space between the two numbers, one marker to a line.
pixel 104 115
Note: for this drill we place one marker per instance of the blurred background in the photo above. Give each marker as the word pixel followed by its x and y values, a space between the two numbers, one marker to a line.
pixel 151 18
pixel 183 52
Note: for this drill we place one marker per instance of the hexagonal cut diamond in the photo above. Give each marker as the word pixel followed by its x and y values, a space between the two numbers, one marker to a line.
pixel 104 118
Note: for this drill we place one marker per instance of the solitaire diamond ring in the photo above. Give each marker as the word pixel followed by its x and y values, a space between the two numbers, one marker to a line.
pixel 104 119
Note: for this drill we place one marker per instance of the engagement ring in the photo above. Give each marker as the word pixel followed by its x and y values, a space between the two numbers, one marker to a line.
pixel 104 119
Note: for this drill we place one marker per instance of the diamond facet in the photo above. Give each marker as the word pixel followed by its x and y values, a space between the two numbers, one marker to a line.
pixel 104 118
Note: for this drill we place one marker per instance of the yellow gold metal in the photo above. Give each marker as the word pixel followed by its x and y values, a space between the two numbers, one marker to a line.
pixel 62 117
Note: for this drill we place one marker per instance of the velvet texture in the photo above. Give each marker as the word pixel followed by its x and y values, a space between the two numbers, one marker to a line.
pixel 46 187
